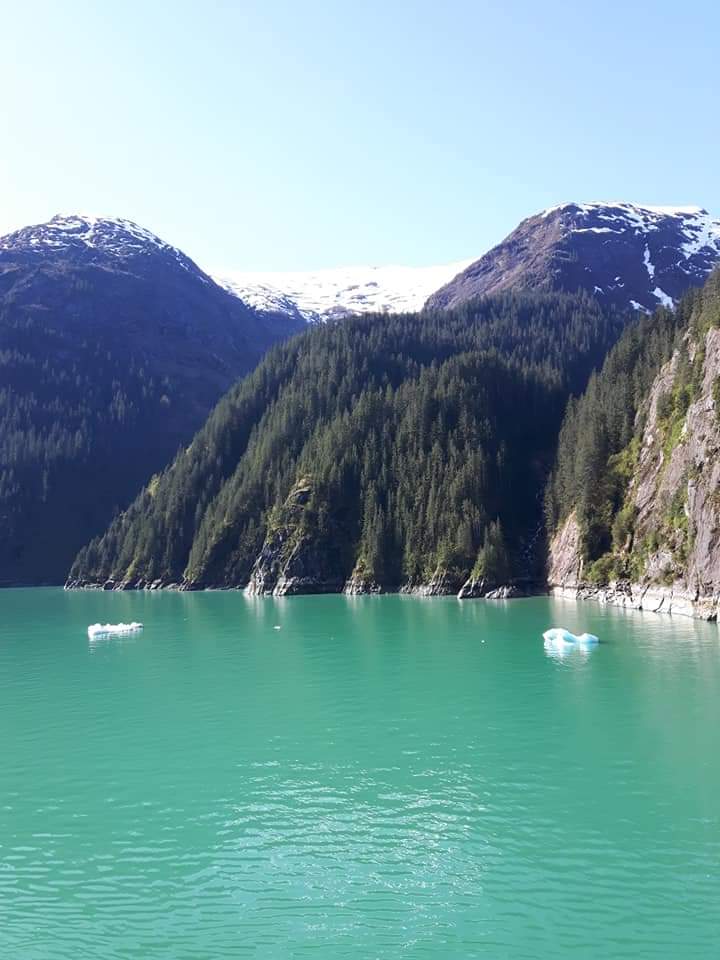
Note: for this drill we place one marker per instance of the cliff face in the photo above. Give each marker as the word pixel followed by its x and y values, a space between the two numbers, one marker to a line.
pixel 675 489
pixel 669 547
pixel 307 549
pixel 296 557
pixel 565 555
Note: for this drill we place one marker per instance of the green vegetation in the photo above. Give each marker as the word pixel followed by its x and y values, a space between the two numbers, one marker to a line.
pixel 107 366
pixel 493 561
pixel 599 440
pixel 410 444
pixel 71 415
pixel 716 396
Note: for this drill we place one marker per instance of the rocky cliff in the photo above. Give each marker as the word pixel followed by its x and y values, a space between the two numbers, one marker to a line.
pixel 302 553
pixel 665 553
pixel 297 556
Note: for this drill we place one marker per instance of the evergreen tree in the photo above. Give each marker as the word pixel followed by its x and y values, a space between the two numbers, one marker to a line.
pixel 598 439
pixel 412 434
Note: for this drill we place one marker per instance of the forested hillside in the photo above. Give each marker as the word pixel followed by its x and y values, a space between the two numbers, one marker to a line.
pixel 113 349
pixel 600 425
pixel 634 493
pixel 384 451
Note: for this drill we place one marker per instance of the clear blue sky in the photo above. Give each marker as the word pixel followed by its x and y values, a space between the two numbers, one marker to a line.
pixel 290 134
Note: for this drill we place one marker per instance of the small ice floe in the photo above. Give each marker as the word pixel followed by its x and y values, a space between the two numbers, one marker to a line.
pixel 113 629
pixel 560 640
pixel 561 635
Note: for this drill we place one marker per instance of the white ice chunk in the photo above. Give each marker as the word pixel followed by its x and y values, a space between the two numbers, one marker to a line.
pixel 112 629
pixel 560 637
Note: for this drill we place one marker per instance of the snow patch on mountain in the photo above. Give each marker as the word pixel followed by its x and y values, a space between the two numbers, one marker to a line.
pixel 699 228
pixel 649 266
pixel 664 299
pixel 637 211
pixel 699 244
pixel 628 255
pixel 111 236
pixel 322 295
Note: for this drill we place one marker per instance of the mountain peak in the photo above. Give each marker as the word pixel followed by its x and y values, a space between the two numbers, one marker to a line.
pixel 688 211
pixel 92 238
pixel 628 255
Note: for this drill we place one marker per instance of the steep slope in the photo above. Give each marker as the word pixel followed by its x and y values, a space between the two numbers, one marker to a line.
pixel 322 295
pixel 372 454
pixel 635 496
pixel 113 348
pixel 627 255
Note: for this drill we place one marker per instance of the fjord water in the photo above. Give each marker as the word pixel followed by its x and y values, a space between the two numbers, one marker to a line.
pixel 379 777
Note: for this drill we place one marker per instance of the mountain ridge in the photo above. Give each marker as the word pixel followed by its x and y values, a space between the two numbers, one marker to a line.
pixel 628 255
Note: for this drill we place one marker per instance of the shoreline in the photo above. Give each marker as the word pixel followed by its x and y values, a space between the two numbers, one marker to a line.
pixel 466 590
pixel 671 600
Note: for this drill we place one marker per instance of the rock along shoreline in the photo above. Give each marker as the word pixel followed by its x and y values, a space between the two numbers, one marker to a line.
pixel 674 600
pixel 441 586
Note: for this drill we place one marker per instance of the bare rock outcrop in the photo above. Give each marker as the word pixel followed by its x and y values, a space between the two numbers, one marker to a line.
pixel 675 492
pixel 565 563
pixel 293 558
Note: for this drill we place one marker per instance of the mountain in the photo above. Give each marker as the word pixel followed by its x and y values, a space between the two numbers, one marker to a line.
pixel 627 255
pixel 114 346
pixel 633 502
pixel 403 451
pixel 321 295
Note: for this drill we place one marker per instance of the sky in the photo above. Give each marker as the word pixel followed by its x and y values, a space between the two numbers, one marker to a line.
pixel 300 134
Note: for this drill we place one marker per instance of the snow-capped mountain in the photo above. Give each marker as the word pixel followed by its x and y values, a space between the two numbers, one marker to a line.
pixel 76 265
pixel 330 294
pixel 625 254
pixel 311 296
pixel 93 239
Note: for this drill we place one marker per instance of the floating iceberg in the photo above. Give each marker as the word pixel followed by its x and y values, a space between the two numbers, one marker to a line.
pixel 560 637
pixel 112 629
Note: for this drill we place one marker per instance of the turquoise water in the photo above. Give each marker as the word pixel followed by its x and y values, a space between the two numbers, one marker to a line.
pixel 379 778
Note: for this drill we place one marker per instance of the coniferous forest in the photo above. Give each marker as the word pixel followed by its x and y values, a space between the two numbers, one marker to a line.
pixel 108 364
pixel 389 449
pixel 71 415
pixel 603 433
pixel 602 422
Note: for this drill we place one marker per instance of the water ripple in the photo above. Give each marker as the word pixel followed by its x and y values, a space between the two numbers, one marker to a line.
pixel 370 781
